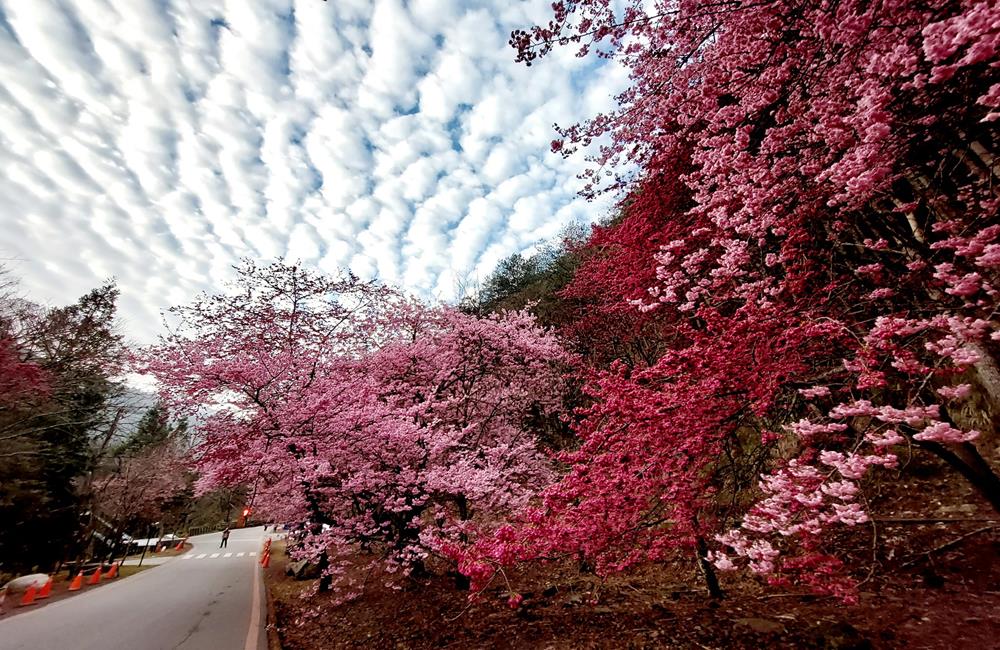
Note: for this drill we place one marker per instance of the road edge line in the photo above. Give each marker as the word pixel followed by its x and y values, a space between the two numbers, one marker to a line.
pixel 253 634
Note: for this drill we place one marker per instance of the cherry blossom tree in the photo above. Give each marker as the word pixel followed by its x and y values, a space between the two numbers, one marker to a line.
pixel 388 426
pixel 139 486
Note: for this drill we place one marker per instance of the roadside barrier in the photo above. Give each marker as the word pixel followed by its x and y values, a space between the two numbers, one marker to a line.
pixel 29 596
pixel 77 582
pixel 46 589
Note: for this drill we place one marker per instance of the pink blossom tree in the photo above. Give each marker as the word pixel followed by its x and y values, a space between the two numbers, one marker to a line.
pixel 389 426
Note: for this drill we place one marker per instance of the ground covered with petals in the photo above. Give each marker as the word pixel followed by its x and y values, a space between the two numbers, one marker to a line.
pixel 646 609
pixel 937 585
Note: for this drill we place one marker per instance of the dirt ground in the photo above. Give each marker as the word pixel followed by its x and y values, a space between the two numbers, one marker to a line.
pixel 929 564
pixel 944 604
pixel 60 585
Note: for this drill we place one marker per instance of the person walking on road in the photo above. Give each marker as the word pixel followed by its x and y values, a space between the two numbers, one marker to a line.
pixel 225 538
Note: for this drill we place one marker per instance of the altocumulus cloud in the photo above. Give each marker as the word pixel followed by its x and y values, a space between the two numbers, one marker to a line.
pixel 158 141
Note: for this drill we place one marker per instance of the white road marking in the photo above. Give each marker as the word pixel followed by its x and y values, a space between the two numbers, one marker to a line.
pixel 252 553
pixel 240 554
pixel 253 633
pixel 228 555
pixel 214 555
pixel 201 556
pixel 187 557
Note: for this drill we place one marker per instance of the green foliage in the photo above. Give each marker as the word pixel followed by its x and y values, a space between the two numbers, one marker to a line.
pixel 51 439
pixel 533 282
pixel 154 429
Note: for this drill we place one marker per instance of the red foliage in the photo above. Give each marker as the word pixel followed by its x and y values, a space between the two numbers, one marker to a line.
pixel 19 380
pixel 815 134
pixel 619 267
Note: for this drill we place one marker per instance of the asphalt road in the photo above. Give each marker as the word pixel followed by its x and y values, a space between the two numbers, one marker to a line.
pixel 193 602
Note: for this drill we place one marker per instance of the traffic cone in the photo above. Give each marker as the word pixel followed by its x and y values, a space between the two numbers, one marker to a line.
pixel 77 582
pixel 112 572
pixel 96 578
pixel 266 560
pixel 29 596
pixel 180 544
pixel 46 589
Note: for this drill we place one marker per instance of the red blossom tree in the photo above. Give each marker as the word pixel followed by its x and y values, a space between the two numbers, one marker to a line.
pixel 842 186
pixel 20 378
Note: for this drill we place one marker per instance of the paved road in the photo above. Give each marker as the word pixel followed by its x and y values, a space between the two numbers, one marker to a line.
pixel 211 603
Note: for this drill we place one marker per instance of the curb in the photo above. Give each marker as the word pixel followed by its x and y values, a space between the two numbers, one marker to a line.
pixel 273 638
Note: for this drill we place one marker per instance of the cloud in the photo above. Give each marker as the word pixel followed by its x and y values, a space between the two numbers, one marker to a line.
pixel 157 142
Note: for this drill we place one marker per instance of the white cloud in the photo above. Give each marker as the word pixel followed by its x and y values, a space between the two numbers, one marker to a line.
pixel 158 142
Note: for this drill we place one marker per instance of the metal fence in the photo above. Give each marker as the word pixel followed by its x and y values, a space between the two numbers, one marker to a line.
pixel 201 530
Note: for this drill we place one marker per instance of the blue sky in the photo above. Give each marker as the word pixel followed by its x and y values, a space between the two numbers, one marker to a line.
pixel 158 141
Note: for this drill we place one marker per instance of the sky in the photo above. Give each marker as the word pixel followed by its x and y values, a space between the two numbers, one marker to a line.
pixel 157 142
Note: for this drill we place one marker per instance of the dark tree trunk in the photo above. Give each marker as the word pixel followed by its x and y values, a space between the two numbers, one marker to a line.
pixel 462 582
pixel 707 570
pixel 967 460
pixel 325 579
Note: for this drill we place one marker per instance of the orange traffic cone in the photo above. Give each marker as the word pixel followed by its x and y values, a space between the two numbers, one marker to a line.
pixel 113 571
pixel 77 582
pixel 96 578
pixel 46 589
pixel 29 596
pixel 180 544
pixel 266 560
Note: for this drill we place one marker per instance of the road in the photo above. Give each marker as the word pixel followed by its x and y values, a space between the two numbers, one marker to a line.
pixel 207 599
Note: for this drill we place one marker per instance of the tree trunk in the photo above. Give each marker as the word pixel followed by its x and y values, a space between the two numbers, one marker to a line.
pixel 707 570
pixel 325 579
pixel 988 374
pixel 967 460
pixel 462 582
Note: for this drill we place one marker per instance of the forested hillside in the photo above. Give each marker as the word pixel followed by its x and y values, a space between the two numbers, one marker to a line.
pixel 85 459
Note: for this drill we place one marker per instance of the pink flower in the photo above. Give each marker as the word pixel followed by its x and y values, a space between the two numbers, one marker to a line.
pixel 961 391
pixel 815 391
pixel 943 432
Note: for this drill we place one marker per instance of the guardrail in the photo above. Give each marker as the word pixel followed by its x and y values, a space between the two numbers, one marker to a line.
pixel 207 528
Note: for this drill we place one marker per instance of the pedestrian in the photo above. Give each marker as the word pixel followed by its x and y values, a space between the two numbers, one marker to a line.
pixel 225 538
